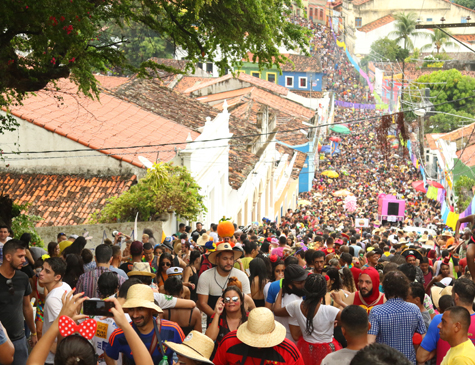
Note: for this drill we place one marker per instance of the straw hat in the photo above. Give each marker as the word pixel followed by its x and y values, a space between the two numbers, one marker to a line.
pixel 223 247
pixel 203 239
pixel 261 330
pixel 196 346
pixel 140 295
pixel 437 292
pixel 141 268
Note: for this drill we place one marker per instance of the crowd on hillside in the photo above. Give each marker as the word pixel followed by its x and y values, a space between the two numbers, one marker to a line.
pixel 328 283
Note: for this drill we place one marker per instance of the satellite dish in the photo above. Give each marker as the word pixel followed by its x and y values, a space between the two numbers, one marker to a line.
pixel 146 162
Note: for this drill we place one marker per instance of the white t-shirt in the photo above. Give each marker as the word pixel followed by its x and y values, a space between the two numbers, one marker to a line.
pixel 211 283
pixel 286 321
pixel 165 301
pixel 53 305
pixel 340 357
pixel 323 322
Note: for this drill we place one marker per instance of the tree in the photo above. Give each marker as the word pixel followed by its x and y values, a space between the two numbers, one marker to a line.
pixel 385 49
pixel 405 29
pixel 439 40
pixel 45 40
pixel 165 188
pixel 463 191
pixel 467 3
pixel 443 123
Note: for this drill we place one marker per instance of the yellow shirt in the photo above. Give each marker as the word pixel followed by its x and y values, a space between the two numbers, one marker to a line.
pixel 463 354
pixel 245 263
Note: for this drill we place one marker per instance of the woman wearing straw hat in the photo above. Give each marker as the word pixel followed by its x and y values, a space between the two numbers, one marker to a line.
pixel 261 340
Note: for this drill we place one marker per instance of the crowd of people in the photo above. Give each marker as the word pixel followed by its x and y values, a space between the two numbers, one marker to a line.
pixel 309 289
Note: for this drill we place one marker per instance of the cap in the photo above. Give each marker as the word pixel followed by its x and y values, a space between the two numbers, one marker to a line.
pixel 172 271
pixel 295 272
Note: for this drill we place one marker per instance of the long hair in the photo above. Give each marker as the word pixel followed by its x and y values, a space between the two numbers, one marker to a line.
pixel 347 279
pixel 315 290
pixel 74 269
pixel 257 267
pixel 274 265
pixel 163 256
pixel 334 275
pixel 241 298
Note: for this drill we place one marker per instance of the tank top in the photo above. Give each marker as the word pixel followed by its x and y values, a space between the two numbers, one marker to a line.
pixel 40 289
pixel 188 328
pixel 194 280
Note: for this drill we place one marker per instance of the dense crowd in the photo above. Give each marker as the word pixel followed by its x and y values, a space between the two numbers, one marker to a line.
pixel 313 288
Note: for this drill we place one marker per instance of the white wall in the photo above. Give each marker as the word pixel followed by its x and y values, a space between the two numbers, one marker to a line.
pixel 365 40
pixel 29 137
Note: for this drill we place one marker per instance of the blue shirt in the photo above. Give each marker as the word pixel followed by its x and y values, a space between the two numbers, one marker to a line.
pixel 273 291
pixel 169 331
pixel 394 323
pixel 429 343
pixel 119 272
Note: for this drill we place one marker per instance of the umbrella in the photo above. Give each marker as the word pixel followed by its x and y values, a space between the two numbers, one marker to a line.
pixel 419 186
pixel 330 173
pixel 344 172
pixel 343 192
pixel 436 185
pixel 340 129
pixel 303 202
pixel 335 139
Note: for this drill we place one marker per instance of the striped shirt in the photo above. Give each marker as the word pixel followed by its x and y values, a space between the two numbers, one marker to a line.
pixel 87 282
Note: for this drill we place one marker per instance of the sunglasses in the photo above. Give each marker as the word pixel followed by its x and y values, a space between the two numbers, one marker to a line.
pixel 228 300
pixel 166 264
pixel 11 289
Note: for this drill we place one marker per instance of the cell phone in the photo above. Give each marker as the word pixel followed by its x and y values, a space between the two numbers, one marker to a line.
pixel 97 307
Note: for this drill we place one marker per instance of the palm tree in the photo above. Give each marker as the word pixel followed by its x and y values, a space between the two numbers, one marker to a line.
pixel 405 29
pixel 439 40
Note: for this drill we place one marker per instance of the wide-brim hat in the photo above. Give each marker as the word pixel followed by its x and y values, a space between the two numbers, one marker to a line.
pixel 196 346
pixel 141 268
pixel 203 239
pixel 223 247
pixel 437 292
pixel 446 234
pixel 411 252
pixel 141 296
pixel 261 330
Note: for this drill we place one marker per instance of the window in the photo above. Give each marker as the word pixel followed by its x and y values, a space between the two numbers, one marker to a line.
pixel 463 20
pixel 271 77
pixel 303 82
pixel 199 65
pixel 429 19
pixel 289 81
pixel 310 13
pixel 256 74
pixel 321 14
pixel 209 67
pixel 358 22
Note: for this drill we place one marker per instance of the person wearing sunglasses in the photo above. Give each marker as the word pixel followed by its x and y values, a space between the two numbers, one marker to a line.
pixel 164 263
pixel 229 313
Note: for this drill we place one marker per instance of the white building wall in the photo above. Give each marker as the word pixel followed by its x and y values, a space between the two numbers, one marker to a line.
pixel 29 137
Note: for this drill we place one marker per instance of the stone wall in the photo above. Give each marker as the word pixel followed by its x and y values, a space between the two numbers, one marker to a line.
pixel 96 231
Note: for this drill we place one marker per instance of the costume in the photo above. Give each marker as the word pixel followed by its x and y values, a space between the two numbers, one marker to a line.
pixel 376 298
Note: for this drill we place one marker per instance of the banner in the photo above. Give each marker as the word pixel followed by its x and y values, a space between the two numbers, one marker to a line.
pixel 347 104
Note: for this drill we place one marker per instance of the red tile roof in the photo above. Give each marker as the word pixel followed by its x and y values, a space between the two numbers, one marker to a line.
pixel 299 161
pixel 465 37
pixel 459 6
pixel 264 84
pixel 360 2
pixel 468 156
pixel 111 82
pixel 189 81
pixel 376 24
pixel 63 199
pixel 302 64
pixel 105 124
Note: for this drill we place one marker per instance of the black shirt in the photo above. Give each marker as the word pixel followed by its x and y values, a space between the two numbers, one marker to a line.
pixel 11 305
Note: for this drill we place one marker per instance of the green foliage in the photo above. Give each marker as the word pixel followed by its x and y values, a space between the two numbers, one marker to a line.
pixel 385 49
pixel 414 57
pixel 463 191
pixel 443 123
pixel 467 3
pixel 165 187
pixel 24 223
pixel 45 40
pixel 446 86
pixel 405 29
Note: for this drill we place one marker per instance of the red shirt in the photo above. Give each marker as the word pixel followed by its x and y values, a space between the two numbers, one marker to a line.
pixel 231 352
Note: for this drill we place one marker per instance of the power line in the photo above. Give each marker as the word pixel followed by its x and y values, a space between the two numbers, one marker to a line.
pixel 228 138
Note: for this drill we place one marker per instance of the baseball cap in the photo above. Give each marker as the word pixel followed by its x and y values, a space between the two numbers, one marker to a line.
pixel 295 272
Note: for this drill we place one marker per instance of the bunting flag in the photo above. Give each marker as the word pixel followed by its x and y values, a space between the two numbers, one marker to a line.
pixel 452 220
pixel 432 193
